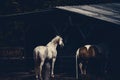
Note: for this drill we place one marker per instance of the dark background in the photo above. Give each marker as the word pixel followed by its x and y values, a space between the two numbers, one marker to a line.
pixel 44 22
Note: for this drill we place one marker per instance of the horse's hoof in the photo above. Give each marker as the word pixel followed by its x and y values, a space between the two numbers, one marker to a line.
pixel 36 77
pixel 52 76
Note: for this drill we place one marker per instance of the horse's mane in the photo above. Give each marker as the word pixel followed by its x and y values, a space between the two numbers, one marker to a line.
pixel 54 40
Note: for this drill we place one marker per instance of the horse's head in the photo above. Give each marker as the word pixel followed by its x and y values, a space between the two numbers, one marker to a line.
pixel 59 40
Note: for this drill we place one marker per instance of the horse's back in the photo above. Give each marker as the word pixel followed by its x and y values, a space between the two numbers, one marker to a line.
pixel 40 51
pixel 86 51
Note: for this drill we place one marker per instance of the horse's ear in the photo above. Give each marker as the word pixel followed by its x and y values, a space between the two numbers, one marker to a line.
pixel 58 35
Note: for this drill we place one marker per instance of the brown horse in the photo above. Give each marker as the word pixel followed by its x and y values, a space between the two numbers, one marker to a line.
pixel 87 52
pixel 84 53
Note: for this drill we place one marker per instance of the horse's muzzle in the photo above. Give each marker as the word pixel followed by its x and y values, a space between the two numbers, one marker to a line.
pixel 62 44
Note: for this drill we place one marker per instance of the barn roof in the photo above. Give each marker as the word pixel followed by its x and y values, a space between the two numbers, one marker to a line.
pixel 108 12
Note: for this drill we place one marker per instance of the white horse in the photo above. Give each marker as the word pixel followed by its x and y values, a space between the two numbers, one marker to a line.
pixel 82 56
pixel 41 53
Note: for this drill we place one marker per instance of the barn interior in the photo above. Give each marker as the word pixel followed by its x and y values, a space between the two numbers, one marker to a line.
pixel 38 28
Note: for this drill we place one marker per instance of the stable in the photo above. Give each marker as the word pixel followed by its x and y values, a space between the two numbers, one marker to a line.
pixel 78 25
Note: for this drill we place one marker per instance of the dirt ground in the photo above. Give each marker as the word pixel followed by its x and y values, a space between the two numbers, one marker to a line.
pixel 31 76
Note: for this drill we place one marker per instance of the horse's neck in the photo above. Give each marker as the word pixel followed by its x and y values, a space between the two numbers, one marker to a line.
pixel 52 52
pixel 51 44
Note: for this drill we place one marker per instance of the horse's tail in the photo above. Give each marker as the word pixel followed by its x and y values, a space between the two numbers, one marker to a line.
pixel 76 57
pixel 35 56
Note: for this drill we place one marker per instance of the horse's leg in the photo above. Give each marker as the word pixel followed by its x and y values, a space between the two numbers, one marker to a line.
pixel 47 70
pixel 36 70
pixel 36 66
pixel 40 69
pixel 84 71
pixel 85 67
pixel 81 67
pixel 53 63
